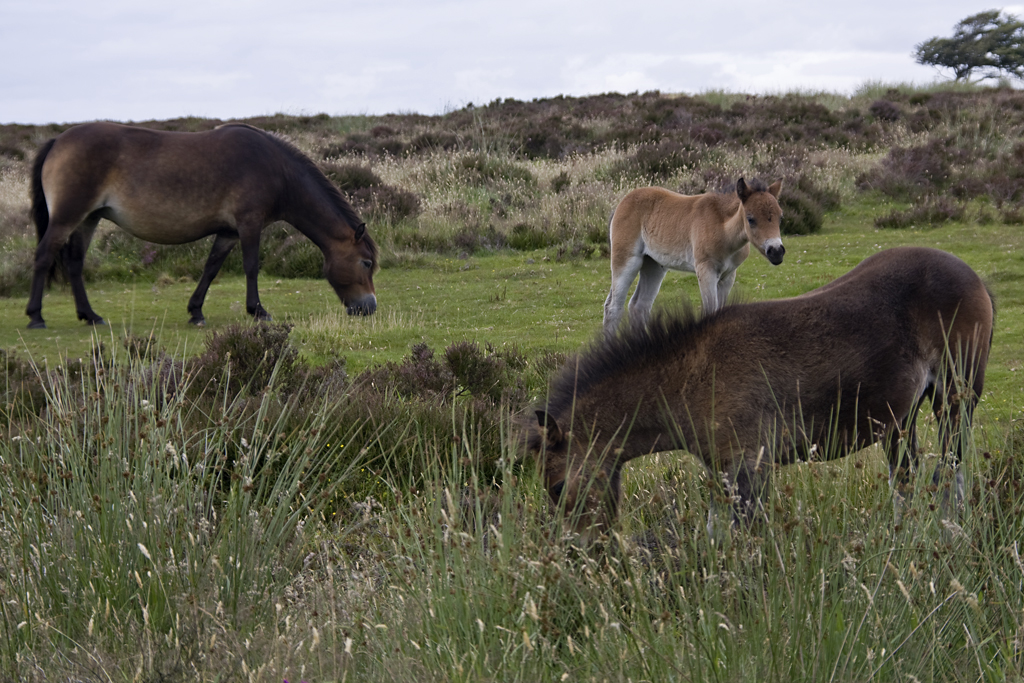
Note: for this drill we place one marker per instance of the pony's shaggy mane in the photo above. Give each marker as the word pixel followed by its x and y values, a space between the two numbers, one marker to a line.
pixel 754 185
pixel 313 172
pixel 663 335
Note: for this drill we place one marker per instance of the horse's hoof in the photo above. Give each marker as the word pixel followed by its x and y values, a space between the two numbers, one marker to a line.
pixel 96 321
pixel 37 325
pixel 198 321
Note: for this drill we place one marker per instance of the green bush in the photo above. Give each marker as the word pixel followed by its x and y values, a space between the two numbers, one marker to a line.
pixel 243 358
pixel 658 161
pixel 351 177
pixel 526 237
pixel 386 203
pixel 930 212
pixel 483 168
pixel 21 387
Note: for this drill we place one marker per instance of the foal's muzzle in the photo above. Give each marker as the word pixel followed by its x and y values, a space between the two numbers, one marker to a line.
pixel 365 306
pixel 775 254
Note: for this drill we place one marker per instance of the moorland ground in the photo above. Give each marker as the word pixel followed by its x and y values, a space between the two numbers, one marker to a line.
pixel 335 498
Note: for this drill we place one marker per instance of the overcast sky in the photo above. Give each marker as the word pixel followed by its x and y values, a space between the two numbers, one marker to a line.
pixel 75 60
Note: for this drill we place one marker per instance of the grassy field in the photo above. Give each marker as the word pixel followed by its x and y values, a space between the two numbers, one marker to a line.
pixel 234 504
pixel 529 299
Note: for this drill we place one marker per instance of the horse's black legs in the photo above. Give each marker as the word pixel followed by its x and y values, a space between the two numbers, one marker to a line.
pixel 44 260
pixel 46 254
pixel 251 266
pixel 73 254
pixel 223 243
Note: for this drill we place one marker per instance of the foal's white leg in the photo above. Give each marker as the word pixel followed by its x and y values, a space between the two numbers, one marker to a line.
pixel 652 274
pixel 707 280
pixel 725 286
pixel 622 278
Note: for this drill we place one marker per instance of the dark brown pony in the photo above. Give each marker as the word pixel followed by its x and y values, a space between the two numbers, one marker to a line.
pixel 813 377
pixel 173 188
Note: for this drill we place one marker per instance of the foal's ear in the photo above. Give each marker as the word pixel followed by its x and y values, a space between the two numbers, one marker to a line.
pixel 775 188
pixel 360 231
pixel 549 428
pixel 742 190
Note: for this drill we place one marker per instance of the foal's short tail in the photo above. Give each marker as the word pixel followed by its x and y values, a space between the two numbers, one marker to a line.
pixel 41 214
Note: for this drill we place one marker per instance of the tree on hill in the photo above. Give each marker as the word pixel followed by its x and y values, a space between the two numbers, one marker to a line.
pixel 989 43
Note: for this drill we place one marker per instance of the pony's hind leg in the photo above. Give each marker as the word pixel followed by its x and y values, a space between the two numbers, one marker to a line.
pixel 51 243
pixel 223 243
pixel 740 501
pixel 73 255
pixel 954 409
pixel 652 274
pixel 622 277
pixel 901 451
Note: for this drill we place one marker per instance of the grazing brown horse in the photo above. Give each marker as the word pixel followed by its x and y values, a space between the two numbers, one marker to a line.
pixel 653 230
pixel 816 376
pixel 173 188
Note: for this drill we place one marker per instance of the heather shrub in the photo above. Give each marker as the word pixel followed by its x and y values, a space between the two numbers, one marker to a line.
pixel 802 215
pixel 932 211
pixel 431 141
pixel 8 151
pixel 1011 215
pixel 492 374
pixel 285 252
pixel 386 203
pixel 560 182
pixel 143 349
pixel 243 358
pixel 351 177
pixel 370 195
pixel 481 239
pixel 418 376
pixel 482 168
pixel 910 172
pixel 827 199
pixel 21 387
pixel 658 161
pixel 574 250
pixel 884 110
pixel 365 144
pixel 526 237
pixel 16 269
pixel 117 255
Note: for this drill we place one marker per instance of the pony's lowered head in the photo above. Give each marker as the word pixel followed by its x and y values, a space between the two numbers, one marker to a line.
pixel 580 477
pixel 349 268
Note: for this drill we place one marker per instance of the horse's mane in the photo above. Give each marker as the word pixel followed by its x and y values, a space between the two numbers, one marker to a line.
pixel 664 334
pixel 313 172
pixel 754 184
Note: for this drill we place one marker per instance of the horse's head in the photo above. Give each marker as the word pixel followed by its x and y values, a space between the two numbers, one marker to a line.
pixel 763 216
pixel 349 266
pixel 578 478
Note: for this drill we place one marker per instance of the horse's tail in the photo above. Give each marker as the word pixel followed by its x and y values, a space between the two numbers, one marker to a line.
pixel 992 301
pixel 40 213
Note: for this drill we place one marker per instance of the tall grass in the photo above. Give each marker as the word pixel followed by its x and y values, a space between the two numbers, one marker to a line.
pixel 135 547
pixel 128 531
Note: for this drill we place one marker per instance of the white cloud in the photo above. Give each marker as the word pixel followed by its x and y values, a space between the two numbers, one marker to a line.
pixel 119 59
